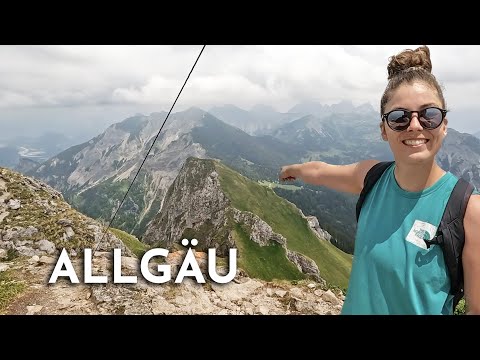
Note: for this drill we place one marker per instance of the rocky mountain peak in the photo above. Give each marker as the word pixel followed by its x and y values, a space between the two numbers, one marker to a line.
pixel 197 206
pixel 193 201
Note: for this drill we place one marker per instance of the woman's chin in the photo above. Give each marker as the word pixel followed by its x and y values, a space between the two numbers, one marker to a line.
pixel 418 157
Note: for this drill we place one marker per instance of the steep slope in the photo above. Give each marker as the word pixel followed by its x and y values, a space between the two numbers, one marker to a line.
pixel 223 209
pixel 335 211
pixel 35 220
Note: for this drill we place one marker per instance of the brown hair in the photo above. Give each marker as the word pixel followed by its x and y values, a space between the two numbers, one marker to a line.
pixel 407 67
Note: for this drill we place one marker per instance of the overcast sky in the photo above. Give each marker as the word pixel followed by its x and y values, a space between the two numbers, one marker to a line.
pixel 89 87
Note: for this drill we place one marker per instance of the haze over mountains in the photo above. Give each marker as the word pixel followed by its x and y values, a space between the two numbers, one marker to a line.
pixel 263 119
pixel 95 175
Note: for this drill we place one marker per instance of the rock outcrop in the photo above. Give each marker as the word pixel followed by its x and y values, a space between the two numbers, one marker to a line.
pixel 260 231
pixel 314 224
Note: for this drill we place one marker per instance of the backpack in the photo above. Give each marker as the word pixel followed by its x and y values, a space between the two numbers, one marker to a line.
pixel 450 235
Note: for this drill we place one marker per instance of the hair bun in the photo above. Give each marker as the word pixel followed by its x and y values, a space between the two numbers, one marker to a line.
pixel 418 58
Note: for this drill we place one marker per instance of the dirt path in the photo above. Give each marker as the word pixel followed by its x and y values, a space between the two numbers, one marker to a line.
pixel 241 296
pixel 43 298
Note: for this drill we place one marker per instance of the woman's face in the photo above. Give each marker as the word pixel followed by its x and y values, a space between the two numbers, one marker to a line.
pixel 415 144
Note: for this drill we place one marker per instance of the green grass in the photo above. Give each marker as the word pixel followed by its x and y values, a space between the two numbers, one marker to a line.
pixel 131 242
pixel 264 262
pixel 9 289
pixel 285 219
pixel 461 308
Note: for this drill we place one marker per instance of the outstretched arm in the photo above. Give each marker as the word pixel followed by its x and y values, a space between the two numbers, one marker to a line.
pixel 346 178
pixel 471 255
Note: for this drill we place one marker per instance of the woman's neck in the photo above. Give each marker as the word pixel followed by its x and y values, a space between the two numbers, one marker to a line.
pixel 417 177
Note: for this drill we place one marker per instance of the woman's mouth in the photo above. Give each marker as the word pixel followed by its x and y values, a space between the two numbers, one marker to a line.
pixel 415 142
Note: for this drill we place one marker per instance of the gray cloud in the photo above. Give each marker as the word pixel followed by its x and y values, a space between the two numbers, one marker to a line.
pixel 281 76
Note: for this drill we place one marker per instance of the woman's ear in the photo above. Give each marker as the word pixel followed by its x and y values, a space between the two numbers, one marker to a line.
pixel 445 122
pixel 383 132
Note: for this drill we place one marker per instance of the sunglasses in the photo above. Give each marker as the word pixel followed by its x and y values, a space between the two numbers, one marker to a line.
pixel 399 120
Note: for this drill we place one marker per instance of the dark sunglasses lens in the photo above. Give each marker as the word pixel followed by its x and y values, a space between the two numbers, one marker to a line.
pixel 431 118
pixel 398 120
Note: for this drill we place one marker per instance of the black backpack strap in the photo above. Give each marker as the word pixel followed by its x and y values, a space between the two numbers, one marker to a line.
pixel 370 179
pixel 451 235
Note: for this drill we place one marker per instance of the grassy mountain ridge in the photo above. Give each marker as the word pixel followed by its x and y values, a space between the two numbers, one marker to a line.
pixel 285 219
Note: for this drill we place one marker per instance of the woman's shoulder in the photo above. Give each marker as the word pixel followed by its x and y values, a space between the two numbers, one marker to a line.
pixel 473 206
pixel 472 214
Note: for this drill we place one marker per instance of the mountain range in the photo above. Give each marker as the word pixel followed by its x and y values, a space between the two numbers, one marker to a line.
pixel 95 175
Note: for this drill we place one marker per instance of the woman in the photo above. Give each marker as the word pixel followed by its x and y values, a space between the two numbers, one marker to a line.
pixel 392 272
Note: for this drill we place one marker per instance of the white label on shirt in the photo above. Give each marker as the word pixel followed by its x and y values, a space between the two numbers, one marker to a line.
pixel 421 230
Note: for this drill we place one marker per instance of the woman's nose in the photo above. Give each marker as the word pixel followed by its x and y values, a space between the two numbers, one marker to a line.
pixel 415 123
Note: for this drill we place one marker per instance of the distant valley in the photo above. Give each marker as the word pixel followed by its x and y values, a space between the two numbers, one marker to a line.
pixel 33 149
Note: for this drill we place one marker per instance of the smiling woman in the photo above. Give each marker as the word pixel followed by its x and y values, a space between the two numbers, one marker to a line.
pixel 394 271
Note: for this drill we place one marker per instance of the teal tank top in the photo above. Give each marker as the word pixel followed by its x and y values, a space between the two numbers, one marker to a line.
pixel 393 272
